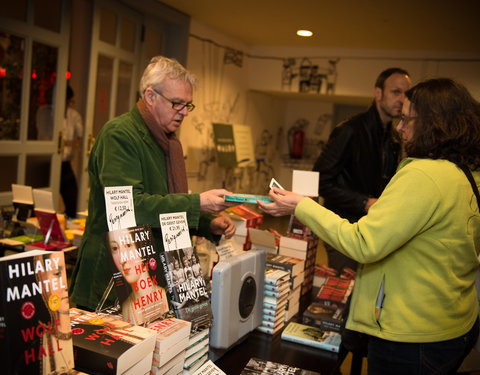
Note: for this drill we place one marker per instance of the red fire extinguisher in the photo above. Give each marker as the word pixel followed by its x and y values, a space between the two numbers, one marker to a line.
pixel 296 151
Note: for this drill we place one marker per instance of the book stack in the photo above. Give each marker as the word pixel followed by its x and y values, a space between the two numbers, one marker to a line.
pixel 312 336
pixel 321 273
pixel 35 332
pixel 277 288
pixel 304 248
pixel 262 366
pixel 326 309
pixel 197 351
pixel 107 344
pixel 243 218
pixel 296 268
pixel 170 344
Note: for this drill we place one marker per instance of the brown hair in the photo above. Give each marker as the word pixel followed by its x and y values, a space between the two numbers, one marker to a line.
pixel 447 123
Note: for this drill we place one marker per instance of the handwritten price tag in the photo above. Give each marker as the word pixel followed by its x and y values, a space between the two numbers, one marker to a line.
pixel 119 207
pixel 175 231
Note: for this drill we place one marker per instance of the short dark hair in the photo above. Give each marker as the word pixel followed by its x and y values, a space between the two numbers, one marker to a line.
pixel 382 77
pixel 447 124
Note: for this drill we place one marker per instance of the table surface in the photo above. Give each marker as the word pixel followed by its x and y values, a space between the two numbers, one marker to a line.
pixel 260 345
pixel 273 348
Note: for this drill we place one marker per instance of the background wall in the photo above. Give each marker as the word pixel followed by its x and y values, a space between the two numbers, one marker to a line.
pixel 244 89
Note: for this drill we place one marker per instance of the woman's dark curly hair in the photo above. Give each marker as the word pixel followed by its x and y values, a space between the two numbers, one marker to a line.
pixel 447 123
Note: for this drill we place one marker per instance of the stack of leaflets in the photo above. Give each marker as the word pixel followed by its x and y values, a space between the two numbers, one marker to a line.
pixel 107 344
pixel 276 291
pixel 295 267
pixel 171 341
pixel 197 351
pixel 261 366
pixel 312 336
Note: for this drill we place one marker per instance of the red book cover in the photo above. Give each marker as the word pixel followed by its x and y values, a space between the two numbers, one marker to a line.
pixel 53 235
pixel 335 291
pixel 137 274
pixel 35 333
pixel 106 344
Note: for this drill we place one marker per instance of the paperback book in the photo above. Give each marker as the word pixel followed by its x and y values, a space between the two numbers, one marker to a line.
pixel 35 333
pixel 312 336
pixel 107 344
pixel 257 366
pixel 328 318
pixel 187 288
pixel 334 292
pixel 137 274
pixel 293 265
pixel 169 332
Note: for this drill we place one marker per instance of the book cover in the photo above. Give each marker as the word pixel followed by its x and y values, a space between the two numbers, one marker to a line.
pixel 312 336
pixel 191 350
pixel 178 348
pixel 285 263
pixel 275 293
pixel 209 368
pixel 107 344
pixel 276 277
pixel 256 366
pixel 334 292
pixel 137 274
pixel 190 370
pixel 268 330
pixel 172 367
pixel 328 318
pixel 169 332
pixel 53 234
pixel 274 317
pixel 35 333
pixel 187 288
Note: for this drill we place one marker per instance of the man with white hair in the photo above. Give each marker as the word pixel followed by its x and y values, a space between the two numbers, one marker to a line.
pixel 140 149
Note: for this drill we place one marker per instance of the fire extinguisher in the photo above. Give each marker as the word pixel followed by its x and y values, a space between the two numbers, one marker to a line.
pixel 296 151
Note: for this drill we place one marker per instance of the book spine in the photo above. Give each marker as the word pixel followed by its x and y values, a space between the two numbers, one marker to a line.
pixel 315 344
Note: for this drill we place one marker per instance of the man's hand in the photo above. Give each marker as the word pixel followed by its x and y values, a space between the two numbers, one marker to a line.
pixel 284 202
pixel 370 202
pixel 223 225
pixel 212 201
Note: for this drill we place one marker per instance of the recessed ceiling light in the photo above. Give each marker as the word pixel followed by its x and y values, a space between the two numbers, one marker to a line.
pixel 305 33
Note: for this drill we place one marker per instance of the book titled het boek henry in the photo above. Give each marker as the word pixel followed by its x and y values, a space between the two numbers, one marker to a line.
pixel 137 274
pixel 35 333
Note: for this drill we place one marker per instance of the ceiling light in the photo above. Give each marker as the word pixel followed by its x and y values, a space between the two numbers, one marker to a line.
pixel 305 33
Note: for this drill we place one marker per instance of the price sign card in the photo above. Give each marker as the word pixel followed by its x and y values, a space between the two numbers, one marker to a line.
pixel 175 231
pixel 119 207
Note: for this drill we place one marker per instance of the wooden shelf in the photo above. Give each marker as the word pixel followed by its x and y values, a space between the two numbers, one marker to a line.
pixel 336 99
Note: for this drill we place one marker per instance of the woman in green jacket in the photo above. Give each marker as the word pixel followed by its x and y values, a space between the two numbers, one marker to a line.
pixel 415 295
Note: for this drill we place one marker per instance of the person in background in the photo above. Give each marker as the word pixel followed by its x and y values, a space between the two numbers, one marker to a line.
pixel 72 133
pixel 418 245
pixel 140 149
pixel 361 156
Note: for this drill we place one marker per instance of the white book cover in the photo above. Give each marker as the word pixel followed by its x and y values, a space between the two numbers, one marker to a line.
pixel 312 336
pixel 209 368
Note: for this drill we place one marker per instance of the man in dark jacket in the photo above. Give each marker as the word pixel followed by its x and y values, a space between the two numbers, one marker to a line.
pixel 361 156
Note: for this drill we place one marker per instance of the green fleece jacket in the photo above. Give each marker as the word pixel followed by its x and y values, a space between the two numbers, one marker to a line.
pixel 126 154
pixel 421 237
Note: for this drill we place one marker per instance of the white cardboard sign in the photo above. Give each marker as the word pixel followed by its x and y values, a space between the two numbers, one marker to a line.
pixel 175 231
pixel 119 207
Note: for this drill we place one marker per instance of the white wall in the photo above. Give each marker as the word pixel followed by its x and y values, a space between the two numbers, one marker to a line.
pixel 224 96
